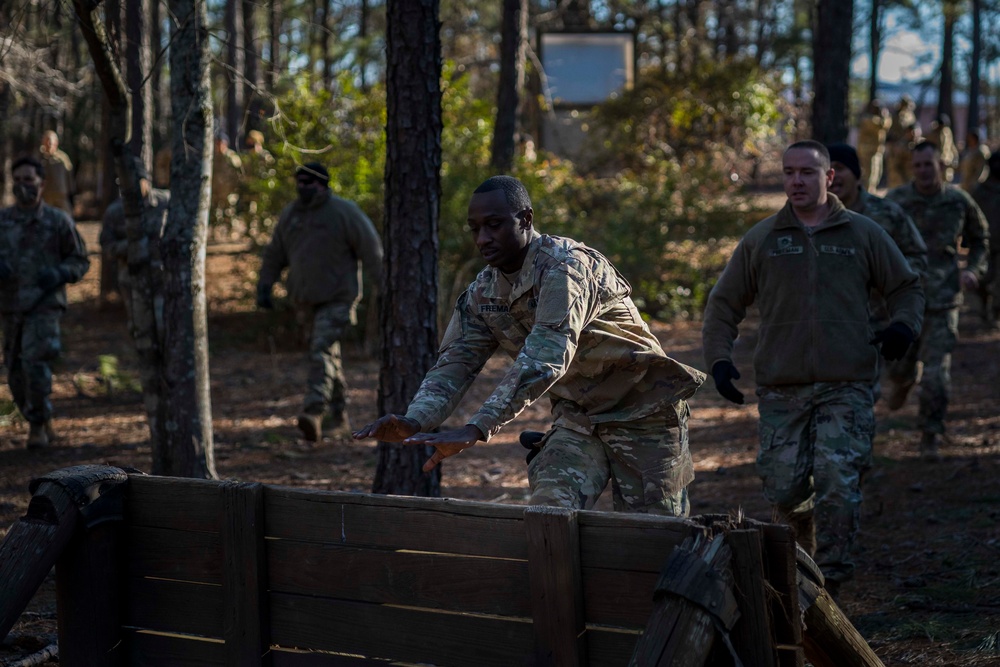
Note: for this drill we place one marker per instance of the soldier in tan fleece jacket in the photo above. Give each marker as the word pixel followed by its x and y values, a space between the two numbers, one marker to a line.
pixel 810 269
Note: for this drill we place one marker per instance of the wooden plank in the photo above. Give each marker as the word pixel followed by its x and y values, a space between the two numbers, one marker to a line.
pixel 174 554
pixel 438 581
pixel 640 543
pixel 290 658
pixel 174 606
pixel 420 524
pixel 556 585
pixel 31 547
pixel 173 502
pixel 781 572
pixel 752 636
pixel 608 648
pixel 156 650
pixel 396 633
pixel 89 597
pixel 618 598
pixel 244 582
pixel 830 639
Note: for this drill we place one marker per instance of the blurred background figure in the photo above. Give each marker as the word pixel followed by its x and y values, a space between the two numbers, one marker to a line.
pixel 942 137
pixel 901 137
pixel 227 171
pixel 987 195
pixel 972 167
pixel 60 187
pixel 873 126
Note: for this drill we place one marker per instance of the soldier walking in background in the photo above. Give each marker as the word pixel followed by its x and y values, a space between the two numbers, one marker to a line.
pixel 321 238
pixel 972 167
pixel 810 269
pixel 563 313
pixel 944 214
pixel 901 137
pixel 40 251
pixel 987 196
pixel 60 187
pixel 874 123
pixel 942 137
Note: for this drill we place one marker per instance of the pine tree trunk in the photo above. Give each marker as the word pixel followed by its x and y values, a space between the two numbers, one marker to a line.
pixel 137 62
pixel 975 68
pixel 189 449
pixel 251 64
pixel 234 70
pixel 947 83
pixel 274 43
pixel 832 31
pixel 513 42
pixel 412 203
pixel 874 48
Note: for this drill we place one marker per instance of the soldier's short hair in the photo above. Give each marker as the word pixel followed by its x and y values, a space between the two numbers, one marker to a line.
pixel 27 159
pixel 927 146
pixel 810 144
pixel 513 191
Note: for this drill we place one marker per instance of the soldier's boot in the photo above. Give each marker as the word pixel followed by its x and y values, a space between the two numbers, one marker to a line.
pixel 50 432
pixel 37 436
pixel 804 526
pixel 929 447
pixel 311 424
pixel 895 398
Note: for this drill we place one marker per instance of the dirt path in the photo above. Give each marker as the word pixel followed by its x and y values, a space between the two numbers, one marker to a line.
pixel 927 591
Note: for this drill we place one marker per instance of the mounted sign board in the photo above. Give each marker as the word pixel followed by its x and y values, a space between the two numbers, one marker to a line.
pixel 586 68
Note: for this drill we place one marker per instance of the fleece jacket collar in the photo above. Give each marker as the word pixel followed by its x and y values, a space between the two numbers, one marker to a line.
pixel 837 215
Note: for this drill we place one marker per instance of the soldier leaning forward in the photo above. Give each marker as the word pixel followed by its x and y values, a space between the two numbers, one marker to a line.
pixel 40 251
pixel 562 313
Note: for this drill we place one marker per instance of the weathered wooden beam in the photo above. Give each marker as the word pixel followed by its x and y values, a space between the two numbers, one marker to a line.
pixel 244 583
pixel 752 635
pixel 556 584
pixel 779 551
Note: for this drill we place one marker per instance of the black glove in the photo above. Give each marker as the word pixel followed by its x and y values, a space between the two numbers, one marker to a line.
pixel 529 440
pixel 5 271
pixel 723 372
pixel 264 299
pixel 50 278
pixel 895 339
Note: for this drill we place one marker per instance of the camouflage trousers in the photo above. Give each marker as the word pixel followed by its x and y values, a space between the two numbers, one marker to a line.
pixel 323 326
pixel 30 342
pixel 870 157
pixel 815 445
pixel 929 362
pixel 647 462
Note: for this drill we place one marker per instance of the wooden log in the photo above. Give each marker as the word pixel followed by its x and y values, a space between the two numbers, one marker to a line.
pixel 244 582
pixel 556 586
pixel 753 634
pixel 829 637
pixel 693 596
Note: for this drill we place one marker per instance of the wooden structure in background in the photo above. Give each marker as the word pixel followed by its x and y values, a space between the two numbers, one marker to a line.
pixel 168 571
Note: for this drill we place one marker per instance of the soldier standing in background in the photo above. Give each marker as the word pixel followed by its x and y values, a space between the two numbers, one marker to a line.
pixel 874 123
pixel 811 268
pixel 903 135
pixel 942 137
pixel 944 214
pixel 60 188
pixel 987 196
pixel 40 251
pixel 321 238
pixel 227 171
pixel 563 313
pixel 972 167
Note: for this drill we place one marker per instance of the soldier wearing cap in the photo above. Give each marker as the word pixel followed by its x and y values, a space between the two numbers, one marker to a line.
pixel 40 251
pixel 324 241
pixel 562 313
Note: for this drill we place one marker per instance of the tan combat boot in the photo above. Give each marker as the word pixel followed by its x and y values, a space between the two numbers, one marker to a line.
pixel 805 531
pixel 929 447
pixel 37 436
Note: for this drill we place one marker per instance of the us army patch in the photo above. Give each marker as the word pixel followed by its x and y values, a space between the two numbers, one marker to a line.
pixel 493 308
pixel 837 250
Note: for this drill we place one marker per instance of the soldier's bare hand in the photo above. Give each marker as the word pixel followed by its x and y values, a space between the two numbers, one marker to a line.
pixel 447 443
pixel 969 280
pixel 390 428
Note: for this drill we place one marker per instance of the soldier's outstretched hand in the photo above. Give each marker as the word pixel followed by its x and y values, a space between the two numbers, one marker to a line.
pixel 390 428
pixel 447 443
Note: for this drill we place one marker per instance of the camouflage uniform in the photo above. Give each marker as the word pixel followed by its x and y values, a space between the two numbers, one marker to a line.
pixel 59 186
pixel 987 195
pixel 942 218
pixel 618 405
pixel 114 239
pixel 42 238
pixel 902 136
pixel 972 167
pixel 814 364
pixel 322 243
pixel 871 145
pixel 942 137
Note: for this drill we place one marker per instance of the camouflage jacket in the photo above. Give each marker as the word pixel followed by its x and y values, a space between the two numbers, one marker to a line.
pixel 59 186
pixel 568 323
pixel 321 243
pixel 943 218
pixel 44 237
pixel 812 287
pixel 114 233
pixel 987 196
pixel 972 169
